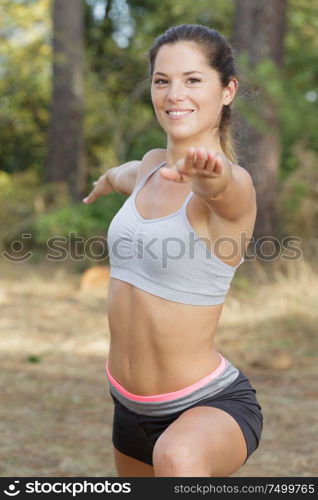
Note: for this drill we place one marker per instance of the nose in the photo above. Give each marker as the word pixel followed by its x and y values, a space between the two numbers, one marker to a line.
pixel 175 92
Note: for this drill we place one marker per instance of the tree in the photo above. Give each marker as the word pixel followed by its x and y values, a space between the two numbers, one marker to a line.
pixel 66 156
pixel 259 29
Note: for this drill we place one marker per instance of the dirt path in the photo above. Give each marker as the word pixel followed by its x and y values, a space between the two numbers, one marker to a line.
pixel 56 412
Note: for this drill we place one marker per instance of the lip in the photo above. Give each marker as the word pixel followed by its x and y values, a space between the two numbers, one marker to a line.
pixel 187 112
pixel 178 109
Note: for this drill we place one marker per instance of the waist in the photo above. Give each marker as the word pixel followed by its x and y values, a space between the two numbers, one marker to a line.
pixel 166 371
pixel 145 337
pixel 161 404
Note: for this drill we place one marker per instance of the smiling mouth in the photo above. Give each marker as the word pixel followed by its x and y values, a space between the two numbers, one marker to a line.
pixel 179 114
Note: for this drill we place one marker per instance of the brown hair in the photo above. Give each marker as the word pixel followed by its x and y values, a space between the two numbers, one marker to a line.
pixel 220 56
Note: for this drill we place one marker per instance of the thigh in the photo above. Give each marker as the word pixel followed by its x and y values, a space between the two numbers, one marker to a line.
pixel 202 441
pixel 216 435
pixel 127 466
pixel 131 446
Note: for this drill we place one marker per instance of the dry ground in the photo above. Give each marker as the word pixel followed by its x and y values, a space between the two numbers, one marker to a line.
pixel 56 412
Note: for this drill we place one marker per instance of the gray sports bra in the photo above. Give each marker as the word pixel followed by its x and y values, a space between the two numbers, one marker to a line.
pixel 165 256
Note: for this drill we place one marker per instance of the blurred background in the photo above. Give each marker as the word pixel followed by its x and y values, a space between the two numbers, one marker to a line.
pixel 75 101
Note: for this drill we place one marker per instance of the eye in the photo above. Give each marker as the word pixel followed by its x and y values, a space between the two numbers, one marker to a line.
pixel 194 80
pixel 160 81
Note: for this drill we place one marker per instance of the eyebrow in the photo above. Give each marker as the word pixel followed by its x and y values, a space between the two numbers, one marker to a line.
pixel 186 73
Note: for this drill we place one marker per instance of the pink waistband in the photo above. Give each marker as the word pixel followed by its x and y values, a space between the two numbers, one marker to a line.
pixel 169 395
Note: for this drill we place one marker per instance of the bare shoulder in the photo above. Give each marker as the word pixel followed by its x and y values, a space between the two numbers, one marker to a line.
pixel 150 159
pixel 244 175
pixel 247 190
pixel 238 200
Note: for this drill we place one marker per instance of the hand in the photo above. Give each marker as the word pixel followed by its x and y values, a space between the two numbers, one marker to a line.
pixel 197 163
pixel 101 187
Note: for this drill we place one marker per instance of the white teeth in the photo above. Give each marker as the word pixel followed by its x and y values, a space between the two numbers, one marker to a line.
pixel 179 113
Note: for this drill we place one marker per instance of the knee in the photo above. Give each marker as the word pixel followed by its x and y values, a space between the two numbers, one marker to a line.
pixel 176 461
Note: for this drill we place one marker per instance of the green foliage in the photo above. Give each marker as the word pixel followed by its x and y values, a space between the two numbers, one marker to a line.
pixel 45 211
pixel 79 218
pixel 298 192
pixel 24 83
pixel 120 124
pixel 26 202
pixel 34 358
pixel 298 207
pixel 299 77
pixel 263 91
pixel 19 202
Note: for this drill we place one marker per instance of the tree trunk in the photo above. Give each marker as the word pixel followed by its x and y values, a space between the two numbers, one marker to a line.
pixel 259 28
pixel 66 155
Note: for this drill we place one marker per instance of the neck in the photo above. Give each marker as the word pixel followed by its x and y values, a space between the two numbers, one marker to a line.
pixel 177 149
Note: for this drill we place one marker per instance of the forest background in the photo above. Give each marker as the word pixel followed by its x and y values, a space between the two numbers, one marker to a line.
pixel 49 160
pixel 75 101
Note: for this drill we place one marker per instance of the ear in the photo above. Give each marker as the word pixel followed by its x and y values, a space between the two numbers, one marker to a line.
pixel 230 91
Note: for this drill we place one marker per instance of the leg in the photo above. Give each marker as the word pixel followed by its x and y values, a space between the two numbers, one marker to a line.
pixel 128 436
pixel 202 442
pixel 131 467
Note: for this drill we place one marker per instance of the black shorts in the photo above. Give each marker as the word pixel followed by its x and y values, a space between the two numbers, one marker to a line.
pixel 135 434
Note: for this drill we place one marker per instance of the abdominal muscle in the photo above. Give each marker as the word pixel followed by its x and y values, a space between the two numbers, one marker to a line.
pixel 157 345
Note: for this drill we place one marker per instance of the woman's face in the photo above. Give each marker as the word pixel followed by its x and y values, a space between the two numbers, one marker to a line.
pixel 186 92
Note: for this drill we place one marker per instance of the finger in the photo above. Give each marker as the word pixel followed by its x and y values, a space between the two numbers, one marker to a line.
pixel 201 158
pixel 216 165
pixel 170 174
pixel 88 199
pixel 189 161
pixel 211 159
pixel 219 163
pixel 91 197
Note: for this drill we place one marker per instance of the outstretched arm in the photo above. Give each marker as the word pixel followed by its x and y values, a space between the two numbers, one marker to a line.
pixel 226 189
pixel 121 179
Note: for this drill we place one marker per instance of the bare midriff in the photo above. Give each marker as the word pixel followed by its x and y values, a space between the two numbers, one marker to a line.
pixel 158 345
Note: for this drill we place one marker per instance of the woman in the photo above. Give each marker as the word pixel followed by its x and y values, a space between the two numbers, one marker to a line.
pixel 181 408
